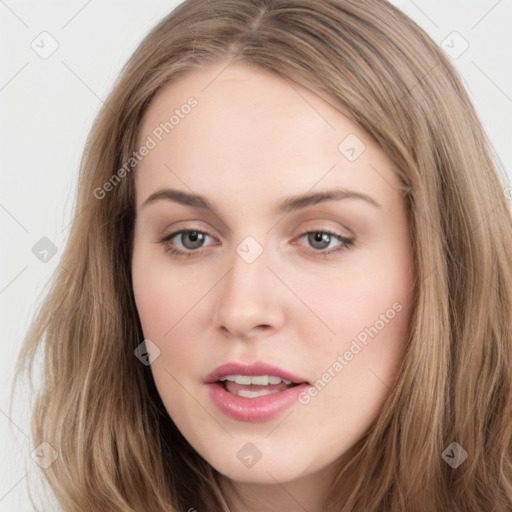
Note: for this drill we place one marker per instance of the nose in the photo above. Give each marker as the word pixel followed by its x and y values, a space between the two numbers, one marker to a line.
pixel 248 300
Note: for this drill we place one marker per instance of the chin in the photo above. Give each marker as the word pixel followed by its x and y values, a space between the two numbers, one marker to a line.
pixel 266 470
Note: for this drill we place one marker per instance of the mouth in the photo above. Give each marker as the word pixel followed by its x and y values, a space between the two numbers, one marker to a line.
pixel 256 392
pixel 254 386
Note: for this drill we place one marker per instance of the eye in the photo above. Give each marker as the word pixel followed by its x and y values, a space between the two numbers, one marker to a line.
pixel 185 242
pixel 192 239
pixel 319 239
pixel 326 242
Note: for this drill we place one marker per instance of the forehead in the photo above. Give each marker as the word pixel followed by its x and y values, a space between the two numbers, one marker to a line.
pixel 242 87
pixel 241 101
pixel 251 126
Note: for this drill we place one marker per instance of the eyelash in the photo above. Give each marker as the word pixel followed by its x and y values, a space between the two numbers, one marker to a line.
pixel 346 244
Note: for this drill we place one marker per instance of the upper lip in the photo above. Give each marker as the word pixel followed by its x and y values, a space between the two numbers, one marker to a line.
pixel 256 368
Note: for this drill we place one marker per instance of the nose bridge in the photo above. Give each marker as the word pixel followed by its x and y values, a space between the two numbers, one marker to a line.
pixel 245 300
pixel 248 278
pixel 249 266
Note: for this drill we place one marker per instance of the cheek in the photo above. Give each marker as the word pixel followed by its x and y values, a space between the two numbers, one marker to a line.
pixel 172 305
pixel 364 311
pixel 155 305
pixel 355 368
pixel 163 295
pixel 169 305
pixel 351 302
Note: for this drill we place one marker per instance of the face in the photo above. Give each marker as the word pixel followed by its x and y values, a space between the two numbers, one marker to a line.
pixel 270 233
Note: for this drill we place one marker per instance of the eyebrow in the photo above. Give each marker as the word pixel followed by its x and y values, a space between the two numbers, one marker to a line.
pixel 289 205
pixel 310 199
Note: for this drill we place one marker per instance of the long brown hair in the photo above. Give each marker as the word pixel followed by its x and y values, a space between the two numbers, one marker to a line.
pixel 98 407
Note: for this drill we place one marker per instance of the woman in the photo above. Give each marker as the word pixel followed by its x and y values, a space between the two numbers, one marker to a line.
pixel 325 152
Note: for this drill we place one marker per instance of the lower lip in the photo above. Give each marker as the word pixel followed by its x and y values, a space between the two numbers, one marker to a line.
pixel 261 408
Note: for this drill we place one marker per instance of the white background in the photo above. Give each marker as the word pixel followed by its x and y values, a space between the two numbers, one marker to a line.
pixel 47 108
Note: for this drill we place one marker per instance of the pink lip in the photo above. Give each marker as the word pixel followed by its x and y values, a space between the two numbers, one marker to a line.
pixel 261 408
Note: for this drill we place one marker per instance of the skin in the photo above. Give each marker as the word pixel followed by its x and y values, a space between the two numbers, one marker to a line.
pixel 251 142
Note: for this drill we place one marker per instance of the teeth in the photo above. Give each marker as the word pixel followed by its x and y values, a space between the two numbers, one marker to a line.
pixel 261 380
pixel 254 394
